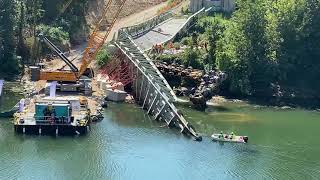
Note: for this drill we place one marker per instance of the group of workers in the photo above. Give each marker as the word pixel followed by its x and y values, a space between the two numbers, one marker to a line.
pixel 222 136
pixel 158 48
pixel 50 113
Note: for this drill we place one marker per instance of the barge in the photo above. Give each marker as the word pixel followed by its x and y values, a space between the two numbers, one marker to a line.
pixel 54 116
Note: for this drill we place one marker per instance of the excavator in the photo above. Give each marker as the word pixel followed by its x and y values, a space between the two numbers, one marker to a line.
pixel 79 79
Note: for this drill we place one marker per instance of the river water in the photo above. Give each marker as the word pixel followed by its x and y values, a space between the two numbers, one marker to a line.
pixel 127 144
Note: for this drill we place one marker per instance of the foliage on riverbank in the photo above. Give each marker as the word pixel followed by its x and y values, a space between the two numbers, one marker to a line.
pixel 103 57
pixel 272 44
pixel 268 48
pixel 8 59
pixel 200 42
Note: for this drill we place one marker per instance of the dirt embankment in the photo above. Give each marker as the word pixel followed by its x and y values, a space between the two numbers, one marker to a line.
pixel 96 7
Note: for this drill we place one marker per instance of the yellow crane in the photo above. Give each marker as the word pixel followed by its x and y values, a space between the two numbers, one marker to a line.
pixel 95 43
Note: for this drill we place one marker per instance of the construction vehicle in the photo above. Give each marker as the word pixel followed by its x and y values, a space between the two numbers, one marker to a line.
pixel 67 78
pixel 80 79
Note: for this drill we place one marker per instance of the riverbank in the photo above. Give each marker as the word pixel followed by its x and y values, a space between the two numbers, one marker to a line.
pixel 294 99
pixel 187 81
pixel 219 101
pixel 267 102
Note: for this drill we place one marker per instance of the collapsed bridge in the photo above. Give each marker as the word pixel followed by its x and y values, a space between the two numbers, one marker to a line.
pixel 132 66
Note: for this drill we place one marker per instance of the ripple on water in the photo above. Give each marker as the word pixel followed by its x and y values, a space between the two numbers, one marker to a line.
pixel 9 166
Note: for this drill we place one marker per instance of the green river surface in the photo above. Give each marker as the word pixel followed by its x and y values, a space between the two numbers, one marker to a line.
pixel 127 144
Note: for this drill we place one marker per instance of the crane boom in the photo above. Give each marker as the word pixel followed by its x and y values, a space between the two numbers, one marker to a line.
pixel 97 38
pixel 58 52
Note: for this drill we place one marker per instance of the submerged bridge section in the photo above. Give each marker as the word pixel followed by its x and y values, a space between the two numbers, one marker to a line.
pixel 150 88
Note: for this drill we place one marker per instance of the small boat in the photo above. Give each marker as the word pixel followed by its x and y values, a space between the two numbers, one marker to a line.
pixel 227 138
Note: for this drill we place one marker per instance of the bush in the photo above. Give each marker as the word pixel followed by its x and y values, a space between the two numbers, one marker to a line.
pixel 56 35
pixel 185 41
pixel 103 57
pixel 177 45
pixel 192 57
pixel 168 58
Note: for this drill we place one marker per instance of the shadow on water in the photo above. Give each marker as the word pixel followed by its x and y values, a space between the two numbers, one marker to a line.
pixel 131 115
pixel 12 93
pixel 211 107
pixel 287 102
pixel 221 108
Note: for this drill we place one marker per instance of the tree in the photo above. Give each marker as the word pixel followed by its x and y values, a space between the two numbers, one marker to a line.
pixel 213 28
pixel 22 49
pixel 8 60
pixel 56 35
pixel 33 19
pixel 271 42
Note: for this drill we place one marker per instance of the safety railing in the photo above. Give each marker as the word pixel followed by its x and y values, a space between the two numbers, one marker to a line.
pixel 187 24
pixel 138 30
pixel 53 120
